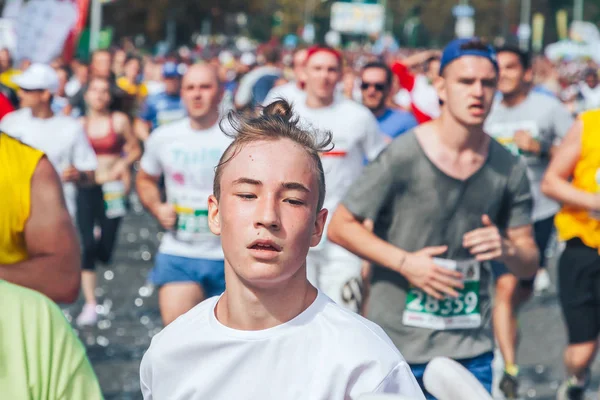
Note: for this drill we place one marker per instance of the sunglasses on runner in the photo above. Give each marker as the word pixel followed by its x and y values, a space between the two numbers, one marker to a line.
pixel 380 87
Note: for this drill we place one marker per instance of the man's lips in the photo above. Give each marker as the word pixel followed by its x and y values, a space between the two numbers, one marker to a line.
pixel 265 245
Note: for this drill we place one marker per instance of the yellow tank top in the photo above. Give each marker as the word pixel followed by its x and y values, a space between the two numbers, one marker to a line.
pixel 17 165
pixel 574 222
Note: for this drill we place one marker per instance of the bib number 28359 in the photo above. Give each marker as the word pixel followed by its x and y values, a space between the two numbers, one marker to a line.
pixel 463 312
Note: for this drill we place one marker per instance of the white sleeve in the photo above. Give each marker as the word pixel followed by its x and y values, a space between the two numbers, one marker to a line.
pixel 146 376
pixel 83 156
pixel 7 124
pixel 373 140
pixel 244 91
pixel 401 381
pixel 150 161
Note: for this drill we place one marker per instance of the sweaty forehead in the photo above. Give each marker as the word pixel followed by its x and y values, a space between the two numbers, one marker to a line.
pixel 272 161
pixel 323 57
pixel 200 74
pixel 471 67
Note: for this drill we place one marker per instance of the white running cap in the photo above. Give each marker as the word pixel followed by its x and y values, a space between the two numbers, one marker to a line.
pixel 38 77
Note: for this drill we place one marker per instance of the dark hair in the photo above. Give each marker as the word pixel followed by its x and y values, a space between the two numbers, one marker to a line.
pixel 271 54
pixel 383 66
pixel 132 57
pixel 275 121
pixel 524 58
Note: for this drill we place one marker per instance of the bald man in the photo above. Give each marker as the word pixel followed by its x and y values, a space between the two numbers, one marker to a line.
pixel 189 264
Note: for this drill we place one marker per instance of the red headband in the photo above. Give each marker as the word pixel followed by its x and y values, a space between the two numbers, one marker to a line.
pixel 316 49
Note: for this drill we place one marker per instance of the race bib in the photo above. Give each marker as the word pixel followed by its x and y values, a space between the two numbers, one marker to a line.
pixel 114 199
pixel 192 217
pixel 463 312
pixel 504 133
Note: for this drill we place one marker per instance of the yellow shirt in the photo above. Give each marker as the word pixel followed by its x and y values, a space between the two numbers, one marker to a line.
pixel 17 165
pixel 132 89
pixel 6 78
pixel 574 222
pixel 41 358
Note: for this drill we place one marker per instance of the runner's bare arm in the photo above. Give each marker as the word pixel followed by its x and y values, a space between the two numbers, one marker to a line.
pixel 350 232
pixel 147 189
pixel 53 267
pixel 132 145
pixel 141 129
pixel 556 183
pixel 517 249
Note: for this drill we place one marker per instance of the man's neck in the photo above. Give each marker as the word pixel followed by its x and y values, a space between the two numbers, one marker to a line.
pixel 514 99
pixel 252 309
pixel 378 112
pixel 318 102
pixel 457 137
pixel 44 112
pixel 205 122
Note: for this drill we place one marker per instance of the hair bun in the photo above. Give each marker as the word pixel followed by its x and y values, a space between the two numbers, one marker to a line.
pixel 280 108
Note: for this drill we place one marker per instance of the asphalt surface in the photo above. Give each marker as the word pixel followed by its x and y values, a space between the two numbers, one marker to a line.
pixel 130 318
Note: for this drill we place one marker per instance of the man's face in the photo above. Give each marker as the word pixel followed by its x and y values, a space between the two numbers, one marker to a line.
pixel 591 80
pixel 132 69
pixel 374 88
pixel 4 60
pixel 267 212
pixel 101 64
pixel 62 81
pixel 172 85
pixel 467 89
pixel 322 74
pixel 512 74
pixel 33 98
pixel 299 60
pixel 433 69
pixel 200 91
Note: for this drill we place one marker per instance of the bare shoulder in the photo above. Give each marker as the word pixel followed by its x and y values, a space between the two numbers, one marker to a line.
pixel 121 120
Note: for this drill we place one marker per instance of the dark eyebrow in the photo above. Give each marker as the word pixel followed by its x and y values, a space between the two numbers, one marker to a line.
pixel 247 181
pixel 295 186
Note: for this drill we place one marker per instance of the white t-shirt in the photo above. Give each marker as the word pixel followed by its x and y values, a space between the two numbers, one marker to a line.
pixel 288 91
pixel 187 158
pixel 325 353
pixel 62 138
pixel 357 138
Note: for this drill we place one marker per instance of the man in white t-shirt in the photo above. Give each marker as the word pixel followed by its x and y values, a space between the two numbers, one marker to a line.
pixel 62 138
pixel 189 264
pixel 293 91
pixel 271 334
pixel 357 137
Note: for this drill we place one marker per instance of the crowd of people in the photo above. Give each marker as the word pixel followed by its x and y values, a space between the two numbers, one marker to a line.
pixel 333 221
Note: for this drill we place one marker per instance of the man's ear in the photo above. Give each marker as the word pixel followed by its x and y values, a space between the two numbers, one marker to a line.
pixel 319 227
pixel 214 218
pixel 440 86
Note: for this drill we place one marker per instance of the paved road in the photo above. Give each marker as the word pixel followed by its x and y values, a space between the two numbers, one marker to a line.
pixel 130 318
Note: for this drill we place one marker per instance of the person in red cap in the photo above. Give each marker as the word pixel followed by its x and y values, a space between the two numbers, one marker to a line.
pixel 357 138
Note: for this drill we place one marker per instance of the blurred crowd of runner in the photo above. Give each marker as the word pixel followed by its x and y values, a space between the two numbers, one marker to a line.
pixel 426 212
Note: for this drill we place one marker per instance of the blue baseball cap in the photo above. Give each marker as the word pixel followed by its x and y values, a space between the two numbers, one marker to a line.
pixel 170 70
pixel 457 48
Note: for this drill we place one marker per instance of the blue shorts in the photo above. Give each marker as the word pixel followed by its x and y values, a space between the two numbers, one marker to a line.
pixel 480 367
pixel 210 274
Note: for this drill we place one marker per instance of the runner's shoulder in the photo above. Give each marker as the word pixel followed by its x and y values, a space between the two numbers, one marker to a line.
pixel 170 130
pixel 357 337
pixel 192 322
pixel 545 102
pixel 502 159
pixel 352 109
